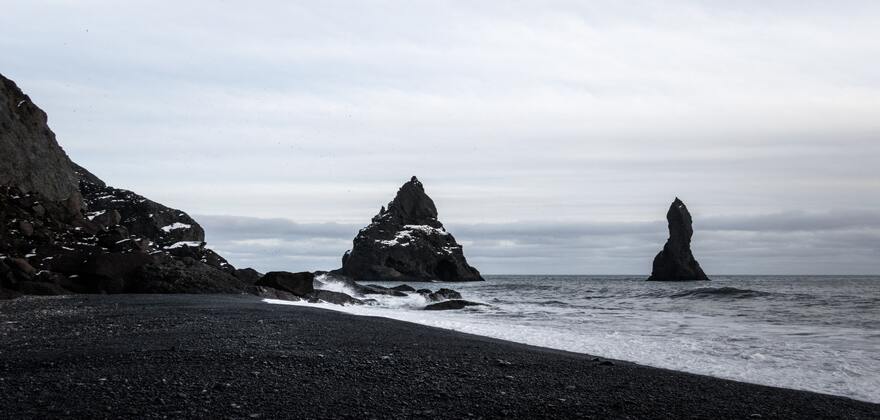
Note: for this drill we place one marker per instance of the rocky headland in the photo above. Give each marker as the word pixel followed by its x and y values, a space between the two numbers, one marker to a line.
pixel 64 230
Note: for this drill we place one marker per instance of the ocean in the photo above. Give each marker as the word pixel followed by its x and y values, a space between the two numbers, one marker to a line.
pixel 814 333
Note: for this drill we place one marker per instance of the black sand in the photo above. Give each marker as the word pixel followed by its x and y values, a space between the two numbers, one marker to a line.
pixel 236 357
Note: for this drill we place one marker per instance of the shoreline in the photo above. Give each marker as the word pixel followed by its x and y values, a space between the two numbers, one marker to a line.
pixel 364 311
pixel 237 356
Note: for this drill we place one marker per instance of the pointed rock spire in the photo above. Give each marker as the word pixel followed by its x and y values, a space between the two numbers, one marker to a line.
pixel 406 242
pixel 676 262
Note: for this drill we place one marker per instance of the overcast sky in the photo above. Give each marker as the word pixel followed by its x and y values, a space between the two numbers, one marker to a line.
pixel 551 135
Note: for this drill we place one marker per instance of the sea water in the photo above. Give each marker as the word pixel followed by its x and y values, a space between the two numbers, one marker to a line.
pixel 815 333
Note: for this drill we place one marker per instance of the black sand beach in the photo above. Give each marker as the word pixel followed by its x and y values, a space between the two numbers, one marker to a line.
pixel 176 356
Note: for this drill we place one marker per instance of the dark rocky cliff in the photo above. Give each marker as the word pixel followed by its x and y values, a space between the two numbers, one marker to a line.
pixel 31 160
pixel 676 262
pixel 406 242
pixel 63 230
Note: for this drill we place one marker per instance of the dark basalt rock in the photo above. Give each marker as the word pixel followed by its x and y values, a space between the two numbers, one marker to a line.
pixel 108 206
pixel 270 293
pixel 247 275
pixel 337 298
pixel 63 230
pixel 404 288
pixel 375 289
pixel 299 284
pixel 451 305
pixel 168 274
pixel 406 242
pixel 676 262
pixel 444 294
pixel 31 158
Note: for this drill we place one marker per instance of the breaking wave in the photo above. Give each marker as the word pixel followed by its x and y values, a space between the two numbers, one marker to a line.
pixel 720 292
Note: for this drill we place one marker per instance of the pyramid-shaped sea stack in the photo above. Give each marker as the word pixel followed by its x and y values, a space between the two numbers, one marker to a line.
pixel 406 242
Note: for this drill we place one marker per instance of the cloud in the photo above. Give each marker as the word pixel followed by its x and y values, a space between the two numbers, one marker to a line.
pixel 584 118
pixel 814 243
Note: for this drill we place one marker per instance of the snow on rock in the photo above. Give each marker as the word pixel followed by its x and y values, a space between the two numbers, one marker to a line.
pixel 182 244
pixel 92 215
pixel 427 229
pixel 175 226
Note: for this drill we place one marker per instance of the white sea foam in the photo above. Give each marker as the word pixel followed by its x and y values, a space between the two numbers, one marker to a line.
pixel 771 332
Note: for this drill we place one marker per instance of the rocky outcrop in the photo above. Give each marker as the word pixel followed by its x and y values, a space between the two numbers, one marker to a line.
pixel 676 262
pixel 406 242
pixel 63 230
pixel 31 158
pixel 443 294
pixel 299 284
pixel 336 298
pixel 141 217
pixel 451 305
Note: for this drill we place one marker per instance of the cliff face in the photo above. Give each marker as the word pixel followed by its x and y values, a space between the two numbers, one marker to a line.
pixel 63 230
pixel 31 158
pixel 406 242
pixel 676 262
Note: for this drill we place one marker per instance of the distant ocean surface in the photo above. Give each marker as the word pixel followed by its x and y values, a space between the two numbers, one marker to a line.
pixel 816 333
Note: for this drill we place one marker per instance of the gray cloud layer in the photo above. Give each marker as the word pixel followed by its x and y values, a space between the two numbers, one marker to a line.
pixel 827 242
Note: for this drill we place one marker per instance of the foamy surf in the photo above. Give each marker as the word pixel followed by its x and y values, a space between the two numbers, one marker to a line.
pixel 800 333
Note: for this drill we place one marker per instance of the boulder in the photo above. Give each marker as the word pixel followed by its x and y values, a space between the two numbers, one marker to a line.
pixel 406 242
pixel 23 266
pixel 337 298
pixel 247 275
pixel 451 305
pixel 676 262
pixel 107 273
pixel 299 284
pixel 168 274
pixel 106 218
pixel 270 293
pixel 116 265
pixel 198 252
pixel 26 228
pixel 444 294
pixel 375 289
pixel 404 288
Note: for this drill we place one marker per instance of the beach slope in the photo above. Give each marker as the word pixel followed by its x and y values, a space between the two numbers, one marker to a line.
pixel 211 356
